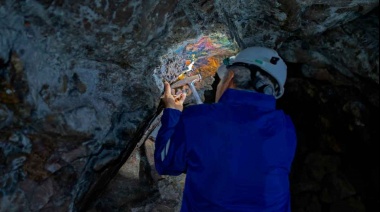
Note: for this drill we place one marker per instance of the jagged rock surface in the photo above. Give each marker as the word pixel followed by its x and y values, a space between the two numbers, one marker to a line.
pixel 76 86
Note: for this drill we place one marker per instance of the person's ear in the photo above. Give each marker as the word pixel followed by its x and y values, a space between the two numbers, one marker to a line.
pixel 230 79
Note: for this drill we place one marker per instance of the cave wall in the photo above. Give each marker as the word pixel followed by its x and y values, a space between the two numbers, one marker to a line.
pixel 77 84
pixel 333 97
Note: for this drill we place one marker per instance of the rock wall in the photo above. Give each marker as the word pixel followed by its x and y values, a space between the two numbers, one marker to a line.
pixel 77 86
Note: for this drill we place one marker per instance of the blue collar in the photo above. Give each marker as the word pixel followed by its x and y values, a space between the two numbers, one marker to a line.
pixel 234 96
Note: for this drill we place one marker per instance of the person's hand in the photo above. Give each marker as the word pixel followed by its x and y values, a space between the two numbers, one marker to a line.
pixel 173 101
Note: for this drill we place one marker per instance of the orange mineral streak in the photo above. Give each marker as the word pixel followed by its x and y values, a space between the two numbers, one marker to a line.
pixel 181 76
pixel 210 68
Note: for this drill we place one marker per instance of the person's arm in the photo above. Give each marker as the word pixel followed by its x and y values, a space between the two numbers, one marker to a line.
pixel 169 154
pixel 170 147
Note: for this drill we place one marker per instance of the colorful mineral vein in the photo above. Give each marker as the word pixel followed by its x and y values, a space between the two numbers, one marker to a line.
pixel 199 56
pixel 208 52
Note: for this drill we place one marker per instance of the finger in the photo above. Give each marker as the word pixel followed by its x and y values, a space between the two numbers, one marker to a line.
pixel 167 89
pixel 182 98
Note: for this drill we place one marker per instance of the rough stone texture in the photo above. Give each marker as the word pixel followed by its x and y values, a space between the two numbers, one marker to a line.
pixel 269 23
pixel 335 166
pixel 138 187
pixel 351 50
pixel 77 87
pixel 70 94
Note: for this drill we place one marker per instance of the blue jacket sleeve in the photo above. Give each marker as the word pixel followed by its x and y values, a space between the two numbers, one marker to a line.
pixel 170 147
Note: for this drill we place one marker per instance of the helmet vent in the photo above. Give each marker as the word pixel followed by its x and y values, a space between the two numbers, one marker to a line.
pixel 274 60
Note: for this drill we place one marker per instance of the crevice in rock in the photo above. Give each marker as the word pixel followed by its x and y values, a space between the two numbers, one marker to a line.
pixel 106 176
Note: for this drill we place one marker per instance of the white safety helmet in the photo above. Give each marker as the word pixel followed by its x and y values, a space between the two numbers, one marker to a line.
pixel 266 59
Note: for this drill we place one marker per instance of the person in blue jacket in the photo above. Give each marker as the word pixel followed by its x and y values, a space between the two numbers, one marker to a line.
pixel 237 152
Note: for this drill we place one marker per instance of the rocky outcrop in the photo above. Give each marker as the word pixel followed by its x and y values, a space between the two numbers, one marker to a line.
pixel 347 55
pixel 79 85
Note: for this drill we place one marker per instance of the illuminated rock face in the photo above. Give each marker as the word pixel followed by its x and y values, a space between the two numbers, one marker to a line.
pixel 79 81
